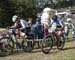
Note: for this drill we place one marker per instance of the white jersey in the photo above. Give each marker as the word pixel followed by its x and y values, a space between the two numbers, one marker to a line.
pixel 54 25
pixel 23 23
pixel 45 18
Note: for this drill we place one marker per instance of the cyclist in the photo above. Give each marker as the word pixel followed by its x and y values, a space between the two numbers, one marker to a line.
pixel 21 25
pixel 57 26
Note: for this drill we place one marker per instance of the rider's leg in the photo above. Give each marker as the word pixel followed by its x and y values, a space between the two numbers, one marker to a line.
pixel 18 41
pixel 17 34
pixel 24 37
pixel 58 35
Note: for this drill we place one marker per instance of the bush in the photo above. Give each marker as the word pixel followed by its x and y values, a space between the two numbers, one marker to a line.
pixel 8 8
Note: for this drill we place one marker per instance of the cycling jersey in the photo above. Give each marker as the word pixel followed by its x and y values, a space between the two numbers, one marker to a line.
pixel 55 25
pixel 58 23
pixel 22 24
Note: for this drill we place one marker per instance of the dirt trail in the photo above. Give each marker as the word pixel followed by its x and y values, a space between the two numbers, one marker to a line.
pixel 67 54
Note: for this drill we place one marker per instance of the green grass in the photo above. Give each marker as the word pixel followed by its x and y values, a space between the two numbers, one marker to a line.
pixel 70 37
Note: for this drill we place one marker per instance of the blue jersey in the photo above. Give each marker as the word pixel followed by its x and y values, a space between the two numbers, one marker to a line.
pixel 58 23
pixel 37 28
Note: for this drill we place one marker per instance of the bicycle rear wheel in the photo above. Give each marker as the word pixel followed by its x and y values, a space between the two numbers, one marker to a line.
pixel 47 44
pixel 60 43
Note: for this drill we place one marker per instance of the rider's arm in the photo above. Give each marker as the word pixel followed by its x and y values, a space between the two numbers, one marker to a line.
pixel 14 26
pixel 62 25
pixel 50 23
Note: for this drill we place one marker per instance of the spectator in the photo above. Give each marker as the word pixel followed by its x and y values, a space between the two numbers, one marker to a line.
pixel 66 31
pixel 73 34
pixel 38 29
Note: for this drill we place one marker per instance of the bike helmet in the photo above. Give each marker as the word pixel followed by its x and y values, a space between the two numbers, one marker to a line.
pixel 14 18
pixel 55 17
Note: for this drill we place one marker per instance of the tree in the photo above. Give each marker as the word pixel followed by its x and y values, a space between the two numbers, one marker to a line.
pixel 8 8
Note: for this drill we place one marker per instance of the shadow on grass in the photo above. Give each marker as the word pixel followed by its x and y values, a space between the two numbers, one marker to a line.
pixel 68 48
pixel 58 51
pixel 13 53
pixel 36 51
pixel 53 51
pixel 20 52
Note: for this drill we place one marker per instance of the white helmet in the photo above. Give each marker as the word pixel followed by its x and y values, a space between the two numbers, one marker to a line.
pixel 14 18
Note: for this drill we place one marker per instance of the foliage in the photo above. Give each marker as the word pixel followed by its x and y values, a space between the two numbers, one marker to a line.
pixel 64 3
pixel 8 8
pixel 25 9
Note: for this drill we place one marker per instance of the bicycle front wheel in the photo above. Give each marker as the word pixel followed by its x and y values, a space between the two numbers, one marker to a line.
pixel 7 46
pixel 47 44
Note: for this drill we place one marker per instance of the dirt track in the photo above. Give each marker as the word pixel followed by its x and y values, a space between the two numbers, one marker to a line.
pixel 67 54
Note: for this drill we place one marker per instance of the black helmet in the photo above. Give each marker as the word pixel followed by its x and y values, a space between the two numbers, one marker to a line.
pixel 55 17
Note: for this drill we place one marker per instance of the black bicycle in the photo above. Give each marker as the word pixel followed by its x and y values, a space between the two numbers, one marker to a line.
pixel 51 40
pixel 58 41
pixel 47 44
pixel 8 43
pixel 61 42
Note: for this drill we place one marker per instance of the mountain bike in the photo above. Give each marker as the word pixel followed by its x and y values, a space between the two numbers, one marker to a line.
pixel 8 43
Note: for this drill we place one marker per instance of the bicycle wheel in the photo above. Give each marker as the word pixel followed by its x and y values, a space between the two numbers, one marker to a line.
pixel 8 46
pixel 60 43
pixel 47 44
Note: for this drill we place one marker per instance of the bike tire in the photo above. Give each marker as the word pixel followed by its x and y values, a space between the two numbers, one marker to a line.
pixel 8 47
pixel 49 44
pixel 61 43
